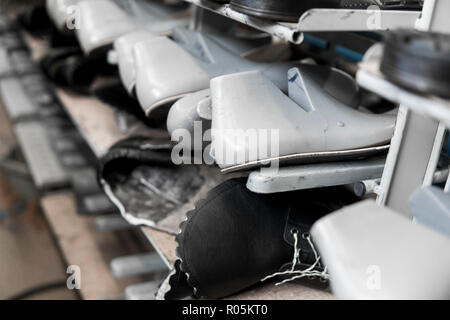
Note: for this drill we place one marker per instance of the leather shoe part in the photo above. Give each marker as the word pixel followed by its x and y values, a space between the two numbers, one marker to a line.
pixel 168 69
pixel 383 4
pixel 138 175
pixel 68 67
pixel 234 238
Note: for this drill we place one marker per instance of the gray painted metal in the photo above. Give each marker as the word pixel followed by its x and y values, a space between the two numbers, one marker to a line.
pixel 431 207
pixel 6 68
pixel 44 165
pixel 312 123
pixel 112 223
pixel 320 20
pixel 135 265
pixel 418 138
pixel 15 99
pixel 315 176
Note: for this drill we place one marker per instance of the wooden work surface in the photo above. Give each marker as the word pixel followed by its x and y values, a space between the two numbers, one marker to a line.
pixel 95 120
pixel 90 249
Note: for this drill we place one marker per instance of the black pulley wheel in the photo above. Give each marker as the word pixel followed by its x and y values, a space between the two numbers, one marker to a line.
pixel 418 61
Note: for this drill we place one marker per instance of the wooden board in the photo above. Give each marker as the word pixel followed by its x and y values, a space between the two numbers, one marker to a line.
pixel 95 120
pixel 7 138
pixel 92 250
pixel 37 47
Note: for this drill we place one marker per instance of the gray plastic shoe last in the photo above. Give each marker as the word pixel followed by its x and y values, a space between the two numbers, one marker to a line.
pixel 123 47
pixel 169 69
pixel 317 121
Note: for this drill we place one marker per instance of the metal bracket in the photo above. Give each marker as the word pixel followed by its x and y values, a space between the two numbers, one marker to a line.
pixel 320 20
pixel 315 176
pixel 112 223
pixel 418 138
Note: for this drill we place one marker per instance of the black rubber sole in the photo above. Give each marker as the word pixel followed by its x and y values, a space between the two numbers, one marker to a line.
pixel 291 11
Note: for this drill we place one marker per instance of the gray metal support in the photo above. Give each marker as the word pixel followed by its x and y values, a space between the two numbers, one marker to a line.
pixel 409 159
pixel 142 291
pixel 112 223
pixel 418 139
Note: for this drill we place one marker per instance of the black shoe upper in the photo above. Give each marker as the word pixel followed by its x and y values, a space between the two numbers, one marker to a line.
pixel 235 238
